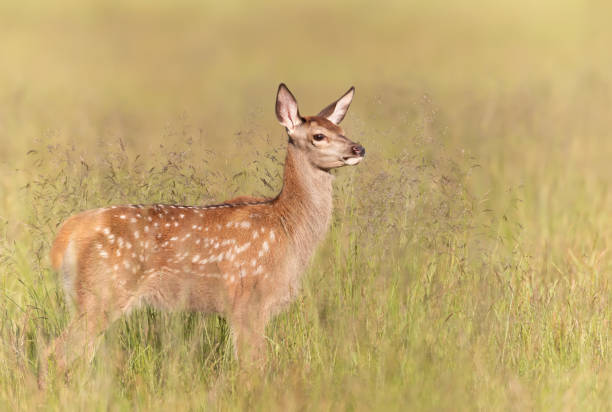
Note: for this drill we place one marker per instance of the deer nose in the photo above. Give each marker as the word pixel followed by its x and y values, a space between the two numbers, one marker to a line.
pixel 358 150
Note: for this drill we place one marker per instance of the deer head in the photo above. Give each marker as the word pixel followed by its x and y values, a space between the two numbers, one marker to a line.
pixel 320 137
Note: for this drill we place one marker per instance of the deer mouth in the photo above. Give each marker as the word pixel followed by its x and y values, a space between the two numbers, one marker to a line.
pixel 352 160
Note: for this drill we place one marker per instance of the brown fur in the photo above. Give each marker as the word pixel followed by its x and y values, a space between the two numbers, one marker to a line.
pixel 242 259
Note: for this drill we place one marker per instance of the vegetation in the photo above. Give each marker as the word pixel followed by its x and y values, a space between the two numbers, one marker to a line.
pixel 468 263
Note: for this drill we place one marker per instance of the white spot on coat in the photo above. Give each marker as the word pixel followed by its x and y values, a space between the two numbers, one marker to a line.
pixel 240 249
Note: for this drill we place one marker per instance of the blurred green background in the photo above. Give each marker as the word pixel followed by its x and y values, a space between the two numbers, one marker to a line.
pixel 523 85
pixel 509 100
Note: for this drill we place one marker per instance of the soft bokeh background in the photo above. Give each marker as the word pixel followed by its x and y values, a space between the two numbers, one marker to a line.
pixel 468 264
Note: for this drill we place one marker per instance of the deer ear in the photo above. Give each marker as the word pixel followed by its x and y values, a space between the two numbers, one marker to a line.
pixel 335 112
pixel 287 111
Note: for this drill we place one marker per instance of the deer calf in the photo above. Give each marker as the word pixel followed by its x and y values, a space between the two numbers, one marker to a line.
pixel 242 259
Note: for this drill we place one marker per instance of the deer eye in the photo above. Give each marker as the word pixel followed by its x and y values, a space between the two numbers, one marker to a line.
pixel 318 137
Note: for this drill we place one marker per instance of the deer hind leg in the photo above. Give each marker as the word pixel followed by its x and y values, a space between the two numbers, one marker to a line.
pixel 96 310
pixel 78 339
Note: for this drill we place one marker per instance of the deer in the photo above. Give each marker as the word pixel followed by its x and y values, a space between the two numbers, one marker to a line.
pixel 242 259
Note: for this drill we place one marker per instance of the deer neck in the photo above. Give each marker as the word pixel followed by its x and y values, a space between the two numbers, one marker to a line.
pixel 305 202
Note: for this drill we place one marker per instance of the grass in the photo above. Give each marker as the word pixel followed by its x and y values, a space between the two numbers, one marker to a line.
pixel 467 266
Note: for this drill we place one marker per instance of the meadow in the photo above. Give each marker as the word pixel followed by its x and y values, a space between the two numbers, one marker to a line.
pixel 468 263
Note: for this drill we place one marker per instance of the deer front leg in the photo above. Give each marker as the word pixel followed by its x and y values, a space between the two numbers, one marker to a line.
pixel 248 325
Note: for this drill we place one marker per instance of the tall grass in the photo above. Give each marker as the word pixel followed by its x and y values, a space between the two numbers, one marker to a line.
pixel 467 265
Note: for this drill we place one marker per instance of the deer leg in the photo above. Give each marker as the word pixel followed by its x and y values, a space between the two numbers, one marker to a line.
pixel 248 335
pixel 80 338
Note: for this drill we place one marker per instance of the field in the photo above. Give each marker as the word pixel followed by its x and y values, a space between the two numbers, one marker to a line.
pixel 468 263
